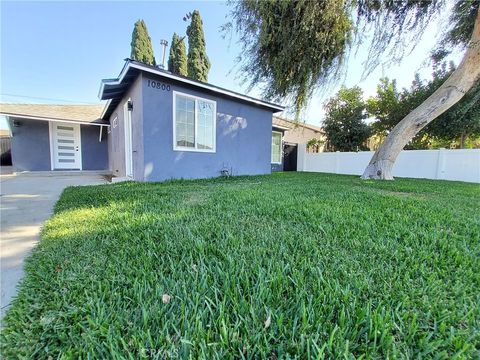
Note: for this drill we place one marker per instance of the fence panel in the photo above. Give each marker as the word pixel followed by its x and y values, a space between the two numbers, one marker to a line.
pixel 462 165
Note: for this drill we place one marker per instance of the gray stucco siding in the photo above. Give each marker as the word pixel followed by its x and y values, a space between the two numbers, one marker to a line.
pixel 94 152
pixel 30 145
pixel 117 133
pixel 243 137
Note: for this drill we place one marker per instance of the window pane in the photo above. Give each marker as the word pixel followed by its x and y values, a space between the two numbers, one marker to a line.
pixel 180 102
pixel 190 105
pixel 181 117
pixel 187 111
pixel 184 122
pixel 205 125
pixel 276 147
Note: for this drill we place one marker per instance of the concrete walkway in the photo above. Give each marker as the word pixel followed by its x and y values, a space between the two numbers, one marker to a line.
pixel 26 201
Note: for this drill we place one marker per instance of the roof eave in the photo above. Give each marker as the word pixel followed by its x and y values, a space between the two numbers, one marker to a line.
pixel 43 118
pixel 275 108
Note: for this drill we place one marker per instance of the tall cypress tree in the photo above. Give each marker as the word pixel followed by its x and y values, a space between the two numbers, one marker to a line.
pixel 142 44
pixel 197 63
pixel 177 60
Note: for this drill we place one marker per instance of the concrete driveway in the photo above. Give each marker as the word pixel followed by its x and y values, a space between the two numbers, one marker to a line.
pixel 26 201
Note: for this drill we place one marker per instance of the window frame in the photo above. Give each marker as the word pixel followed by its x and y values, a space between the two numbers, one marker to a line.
pixel 174 116
pixel 281 148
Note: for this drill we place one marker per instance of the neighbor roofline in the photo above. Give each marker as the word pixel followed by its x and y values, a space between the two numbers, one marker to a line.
pixel 29 117
pixel 150 69
pixel 303 124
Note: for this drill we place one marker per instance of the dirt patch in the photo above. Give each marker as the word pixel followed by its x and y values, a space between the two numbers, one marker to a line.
pixel 195 199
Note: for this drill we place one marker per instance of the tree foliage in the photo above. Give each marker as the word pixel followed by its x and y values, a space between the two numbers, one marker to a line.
pixel 141 44
pixel 198 64
pixel 384 106
pixel 177 60
pixel 344 124
pixel 462 20
pixel 294 47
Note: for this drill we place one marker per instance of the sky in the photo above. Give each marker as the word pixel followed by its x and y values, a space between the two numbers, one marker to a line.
pixel 57 52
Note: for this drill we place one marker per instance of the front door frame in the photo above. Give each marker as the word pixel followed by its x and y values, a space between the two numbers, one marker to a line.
pixel 52 144
pixel 127 129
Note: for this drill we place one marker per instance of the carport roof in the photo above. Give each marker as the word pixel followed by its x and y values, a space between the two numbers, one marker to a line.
pixel 86 114
pixel 114 89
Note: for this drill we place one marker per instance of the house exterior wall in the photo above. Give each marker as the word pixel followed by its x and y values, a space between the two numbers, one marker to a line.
pixel 301 135
pixel 117 134
pixel 243 136
pixel 31 146
pixel 94 152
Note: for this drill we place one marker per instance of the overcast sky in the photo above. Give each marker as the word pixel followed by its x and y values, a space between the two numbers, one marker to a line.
pixel 57 52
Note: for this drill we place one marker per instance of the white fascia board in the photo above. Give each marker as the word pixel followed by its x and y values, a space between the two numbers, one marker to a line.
pixel 281 127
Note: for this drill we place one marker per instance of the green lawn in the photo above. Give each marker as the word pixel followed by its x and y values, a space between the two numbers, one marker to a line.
pixel 287 265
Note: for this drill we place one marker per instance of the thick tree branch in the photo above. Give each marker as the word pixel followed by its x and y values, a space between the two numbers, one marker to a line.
pixel 447 95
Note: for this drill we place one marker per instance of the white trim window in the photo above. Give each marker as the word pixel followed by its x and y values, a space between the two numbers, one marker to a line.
pixel 276 147
pixel 194 123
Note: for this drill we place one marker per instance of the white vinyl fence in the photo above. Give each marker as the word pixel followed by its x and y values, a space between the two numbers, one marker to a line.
pixel 461 165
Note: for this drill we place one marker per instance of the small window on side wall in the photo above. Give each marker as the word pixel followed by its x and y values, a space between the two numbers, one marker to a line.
pixel 194 121
pixel 276 147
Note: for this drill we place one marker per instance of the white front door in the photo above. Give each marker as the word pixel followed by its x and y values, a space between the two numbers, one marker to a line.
pixel 128 142
pixel 66 146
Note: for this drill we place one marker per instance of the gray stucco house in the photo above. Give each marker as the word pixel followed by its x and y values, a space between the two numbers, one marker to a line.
pixel 155 126
pixel 165 126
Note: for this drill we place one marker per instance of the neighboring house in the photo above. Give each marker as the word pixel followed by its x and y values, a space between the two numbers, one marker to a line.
pixel 155 126
pixel 57 137
pixel 299 132
pixel 286 136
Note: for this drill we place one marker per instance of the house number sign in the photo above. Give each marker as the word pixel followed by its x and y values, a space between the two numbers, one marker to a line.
pixel 158 85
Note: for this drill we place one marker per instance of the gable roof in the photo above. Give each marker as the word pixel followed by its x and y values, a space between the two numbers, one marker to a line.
pixel 87 114
pixel 293 124
pixel 114 89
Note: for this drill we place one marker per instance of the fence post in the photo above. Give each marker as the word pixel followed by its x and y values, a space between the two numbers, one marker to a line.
pixel 301 157
pixel 440 173
pixel 337 162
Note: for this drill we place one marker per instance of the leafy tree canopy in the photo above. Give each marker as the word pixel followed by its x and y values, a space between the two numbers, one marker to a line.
pixel 141 44
pixel 177 60
pixel 197 63
pixel 294 47
pixel 344 124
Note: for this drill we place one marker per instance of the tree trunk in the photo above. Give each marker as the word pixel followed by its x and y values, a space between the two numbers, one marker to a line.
pixel 462 140
pixel 447 95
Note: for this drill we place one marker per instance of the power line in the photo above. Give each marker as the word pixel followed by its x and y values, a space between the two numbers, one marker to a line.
pixel 42 98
